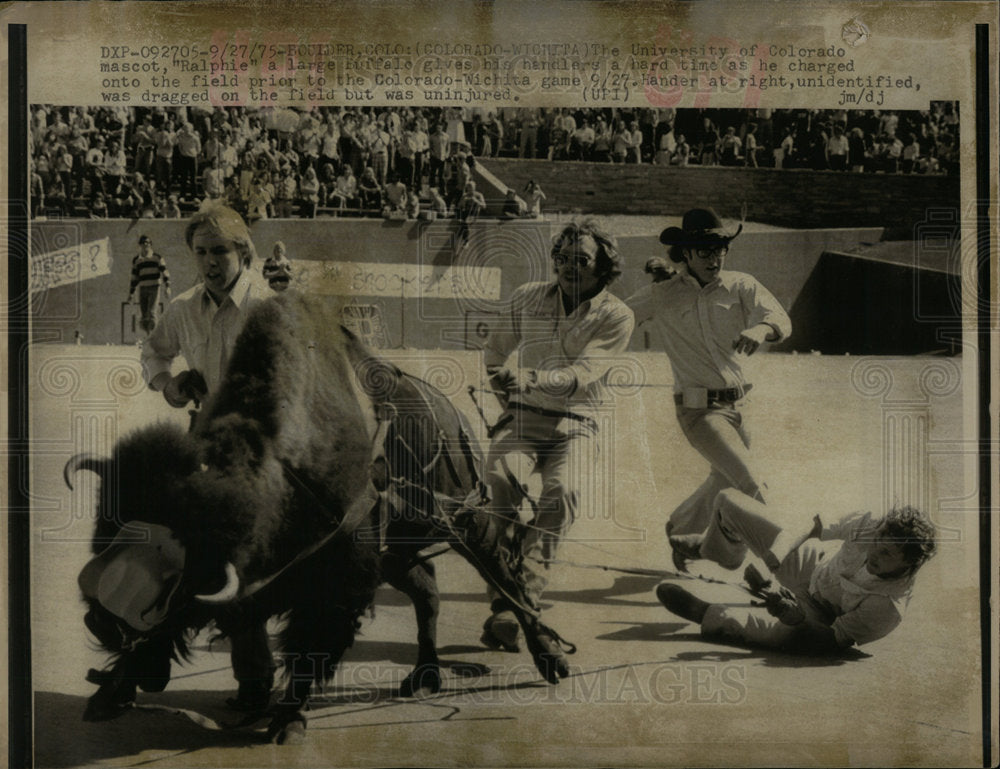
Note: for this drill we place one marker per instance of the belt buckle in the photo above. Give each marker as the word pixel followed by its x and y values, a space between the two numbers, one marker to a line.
pixel 694 397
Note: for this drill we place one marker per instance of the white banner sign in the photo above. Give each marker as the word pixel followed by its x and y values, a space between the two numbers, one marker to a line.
pixel 406 281
pixel 69 265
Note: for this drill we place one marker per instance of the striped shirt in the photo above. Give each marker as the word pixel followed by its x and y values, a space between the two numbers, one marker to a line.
pixel 147 272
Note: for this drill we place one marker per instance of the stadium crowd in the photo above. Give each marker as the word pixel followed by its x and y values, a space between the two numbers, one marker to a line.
pixel 396 161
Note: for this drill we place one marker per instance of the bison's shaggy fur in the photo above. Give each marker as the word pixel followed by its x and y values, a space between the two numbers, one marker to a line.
pixel 275 462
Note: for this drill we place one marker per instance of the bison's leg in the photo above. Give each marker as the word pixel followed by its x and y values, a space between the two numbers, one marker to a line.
pixel 147 667
pixel 315 639
pixel 116 693
pixel 419 584
pixel 480 540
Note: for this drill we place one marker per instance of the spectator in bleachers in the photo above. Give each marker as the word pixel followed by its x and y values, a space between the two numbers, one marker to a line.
pixel 78 146
pixel 634 151
pixel 99 206
pixel 682 153
pixel 439 150
pixel 395 195
pixel 412 205
pixel 188 150
pixel 213 182
pixel 528 139
pixel 838 149
pixel 706 142
pixel 470 206
pixel 369 192
pixel 229 158
pixel 405 156
pixel 345 191
pixel 55 196
pixel 308 193
pixel 379 148
pixel 513 206
pixel 438 204
pixel 277 270
pixel 79 149
pixel 144 142
pixel 139 197
pixel 64 168
pixel 455 128
pixel 492 136
pixel 330 145
pixel 729 148
pixel 286 192
pixel 856 150
pixel 327 181
pixel 166 140
pixel 892 152
pixel 601 148
pixel 784 154
pixel 308 144
pixel 37 191
pixel 581 143
pixel 260 198
pixel 620 140
pixel 751 148
pixel 910 154
pixel 535 197
pixel 666 145
pixel 171 207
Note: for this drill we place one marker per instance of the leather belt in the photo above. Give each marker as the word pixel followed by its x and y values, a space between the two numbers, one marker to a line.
pixel 729 395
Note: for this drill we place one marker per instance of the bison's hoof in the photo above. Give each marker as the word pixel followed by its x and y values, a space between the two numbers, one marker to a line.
pixel 549 658
pixel 423 681
pixel 287 730
pixel 108 702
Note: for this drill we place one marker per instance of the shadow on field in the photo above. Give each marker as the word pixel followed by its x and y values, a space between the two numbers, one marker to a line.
pixel 63 739
pixel 667 633
pixel 622 586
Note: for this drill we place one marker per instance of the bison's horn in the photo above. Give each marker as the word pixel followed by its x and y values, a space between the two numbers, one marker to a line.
pixel 85 461
pixel 228 592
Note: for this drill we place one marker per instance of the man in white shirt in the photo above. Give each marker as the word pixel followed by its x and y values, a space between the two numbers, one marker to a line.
pixel 829 602
pixel 707 320
pixel 202 325
pixel 551 355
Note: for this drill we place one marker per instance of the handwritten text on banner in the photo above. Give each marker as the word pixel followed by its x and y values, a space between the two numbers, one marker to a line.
pixel 69 265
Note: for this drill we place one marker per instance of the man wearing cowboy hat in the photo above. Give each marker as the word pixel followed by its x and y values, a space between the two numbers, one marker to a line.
pixel 708 319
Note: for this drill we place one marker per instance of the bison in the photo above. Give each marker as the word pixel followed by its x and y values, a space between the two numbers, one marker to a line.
pixel 287 498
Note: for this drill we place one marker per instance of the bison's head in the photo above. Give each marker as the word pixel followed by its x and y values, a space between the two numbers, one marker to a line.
pixel 154 568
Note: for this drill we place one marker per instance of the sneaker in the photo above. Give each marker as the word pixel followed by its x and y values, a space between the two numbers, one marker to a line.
pixel 501 631
pixel 679 601
pixel 685 548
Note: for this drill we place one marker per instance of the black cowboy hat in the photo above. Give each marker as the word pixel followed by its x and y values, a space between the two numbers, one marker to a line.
pixel 700 226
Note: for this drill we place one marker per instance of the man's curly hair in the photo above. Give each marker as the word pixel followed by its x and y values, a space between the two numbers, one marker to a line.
pixel 912 531
pixel 609 260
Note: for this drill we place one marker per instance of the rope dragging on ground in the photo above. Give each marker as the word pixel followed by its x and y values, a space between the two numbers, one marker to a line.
pixel 642 572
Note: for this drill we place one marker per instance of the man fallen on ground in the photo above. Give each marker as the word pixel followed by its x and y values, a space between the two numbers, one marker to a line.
pixel 827 601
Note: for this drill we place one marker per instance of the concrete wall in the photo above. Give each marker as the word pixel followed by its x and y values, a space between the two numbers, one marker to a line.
pixel 784 260
pixel 788 198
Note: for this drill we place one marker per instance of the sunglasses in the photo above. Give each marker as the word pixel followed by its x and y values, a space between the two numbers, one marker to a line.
pixel 581 261
pixel 710 251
